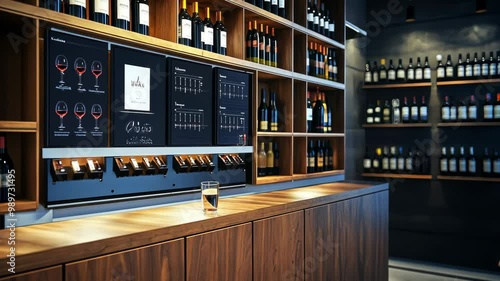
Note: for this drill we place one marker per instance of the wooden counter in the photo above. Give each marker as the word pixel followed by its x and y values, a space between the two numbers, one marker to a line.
pixel 59 243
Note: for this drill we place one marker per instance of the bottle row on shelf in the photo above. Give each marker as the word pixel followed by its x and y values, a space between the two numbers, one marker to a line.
pixel 319 156
pixel 268 114
pixel 321 62
pixel 469 69
pixel 318 113
pixel 277 7
pixel 261 47
pixel 394 160
pixel 470 111
pixel 392 112
pixel 412 74
pixel 319 20
pixel 268 160
pixel 469 165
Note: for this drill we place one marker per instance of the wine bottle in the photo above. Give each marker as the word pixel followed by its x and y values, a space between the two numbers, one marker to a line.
pixel 417 162
pixel 423 111
pixel 259 3
pixel 472 109
pixel 331 30
pixel 414 112
pixel 391 73
pixel 267 5
pixel 282 8
pixel 488 109
pixel 262 45
pixel 196 28
pixel 332 66
pixel 452 162
pixel 321 15
pixel 329 118
pixel 385 159
pixel 410 72
pixel 387 113
pixel 471 162
pixel 330 165
pixel 462 162
pixel 274 7
pixel 367 161
pixel 469 73
pixel 493 66
pixel 401 161
pixel 184 26
pixel 262 169
pixel 270 159
pixel 419 71
pixel 440 69
pixel 309 113
pixel 370 114
pixel 450 70
pixel 377 115
pixel 274 49
pixel 335 69
pixel 326 26
pixel 78 8
pixel 376 162
pixel 405 111
pixel 393 160
pixel 311 158
pixel 99 10
pixel 273 113
pixel 321 62
pixel 462 111
pixel 368 74
pixel 220 35
pixel 318 114
pixel 496 164
pixel 453 112
pixel 311 59
pixel 326 53
pixel 316 16
pixel 267 58
pixel 487 164
pixel 460 68
pixel 496 109
pixel 320 157
pixel 208 33
pixel 326 155
pixel 140 16
pixel 427 70
pixel 476 66
pixel 400 72
pixel 276 158
pixel 382 72
pixel 374 70
pixel 325 113
pixel 316 60
pixel 485 66
pixel 445 110
pixel 263 112
pixel 6 168
pixel 409 162
pixel 443 162
pixel 120 10
pixel 310 15
pixel 396 112
pixel 498 63
pixel 254 48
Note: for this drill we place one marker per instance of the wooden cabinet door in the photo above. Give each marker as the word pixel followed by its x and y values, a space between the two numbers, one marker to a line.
pixel 159 262
pixel 348 240
pixel 279 248
pixel 46 274
pixel 224 254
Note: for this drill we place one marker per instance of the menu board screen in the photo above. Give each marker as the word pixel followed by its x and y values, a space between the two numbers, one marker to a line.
pixel 76 95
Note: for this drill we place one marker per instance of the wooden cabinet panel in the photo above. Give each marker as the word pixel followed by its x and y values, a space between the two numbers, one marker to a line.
pixel 160 262
pixel 224 254
pixel 348 240
pixel 46 274
pixel 279 248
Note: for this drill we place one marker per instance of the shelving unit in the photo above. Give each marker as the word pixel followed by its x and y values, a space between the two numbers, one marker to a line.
pixel 411 125
pixel 400 85
pixel 459 178
pixel 468 82
pixel 397 176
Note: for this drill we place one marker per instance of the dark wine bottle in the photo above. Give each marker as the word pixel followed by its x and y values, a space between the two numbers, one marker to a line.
pixel 368 74
pixel 321 14
pixel 311 158
pixel 276 158
pixel 220 35
pixel 310 15
pixel 423 111
pixel 282 8
pixel 254 48
pixel 197 28
pixel 120 10
pixel 316 16
pixel 450 70
pixel 99 11
pixel 485 66
pixel 78 8
pixel 472 109
pixel 335 68
pixel 440 69
pixel 309 113
pixel 445 110
pixel 140 16
pixel 326 28
pixel 488 109
pixel 410 72
pixel 248 42
pixel 405 111
pixel 184 26
pixel 382 72
pixel 493 66
pixel 6 168
pixel 460 68
pixel 208 32
pixel 427 70
pixel 273 113
pixel 391 73
pixel 262 45
pixel 274 7
pixel 400 72
pixel 311 60
pixel 274 49
pixel 414 111
pixel 419 71
pixel 320 157
pixel 267 5
pixel 386 113
pixel 476 66
pixel 263 113
pixel 318 114
pixel 262 160
pixel 259 3
pixel 469 73
pixel 267 57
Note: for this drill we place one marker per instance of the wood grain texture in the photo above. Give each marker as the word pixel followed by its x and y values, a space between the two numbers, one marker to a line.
pixel 161 262
pixel 468 82
pixel 279 248
pixel 224 254
pixel 396 86
pixel 397 176
pixel 348 240
pixel 46 274
pixel 299 106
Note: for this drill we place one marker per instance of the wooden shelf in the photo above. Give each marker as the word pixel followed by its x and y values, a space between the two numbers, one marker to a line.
pixel 21 205
pixel 410 125
pixel 468 82
pixel 397 176
pixel 18 126
pixel 274 134
pixel 319 135
pixel 401 85
pixel 318 175
pixel 469 124
pixel 273 179
pixel 460 178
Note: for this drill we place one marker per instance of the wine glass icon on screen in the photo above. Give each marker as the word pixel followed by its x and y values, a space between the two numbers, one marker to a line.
pixel 61 65
pixel 96 111
pixel 61 110
pixel 80 67
pixel 96 69
pixel 79 112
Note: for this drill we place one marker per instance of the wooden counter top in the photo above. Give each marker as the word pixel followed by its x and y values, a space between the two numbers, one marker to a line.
pixel 44 245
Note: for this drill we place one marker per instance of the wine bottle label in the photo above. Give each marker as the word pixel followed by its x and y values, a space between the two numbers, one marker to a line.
pixel 208 36
pixel 414 113
pixel 123 10
pixel 477 70
pixel 274 127
pixel 487 166
pixel 409 164
pixel 468 71
pixel 488 111
pixel 461 71
pixel 281 4
pixel 462 112
pixel 368 77
pixel 326 25
pixel 396 116
pixel 462 166
pixel 309 114
pixel 485 69
pixel 472 112
pixel 496 166
pixel 316 19
pixel 411 74
pixel 377 119
pixel 274 2
pixel 310 17
pixel 444 165
pixel 393 165
pixel 440 72
pixel 493 69
pixel 270 162
pixel 144 14
pixel 387 114
pixel 401 74
pixel 449 71
pixel 223 39
pixel 332 28
pixel 322 22
pixel 423 113
pixel 320 162
pixel 406 113
pixel 377 109
pixel 401 164
pixel 101 6
pixel 376 164
pixel 311 162
pixel 385 163
pixel 367 163
pixel 82 3
pixel 375 77
pixel 427 73
pixel 383 75
pixel 331 69
pixel 419 74
pixel 472 166
pixel 496 111
pixel 186 29
pixel 453 113
pixel 369 120
pixel 267 1
pixel 263 126
pixel 445 113
pixel 4 180
pixel 335 70
pixel 391 74
pixel 307 62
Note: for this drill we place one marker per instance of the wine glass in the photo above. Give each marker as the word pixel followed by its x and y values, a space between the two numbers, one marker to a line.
pixel 79 112
pixel 96 69
pixel 80 67
pixel 96 111
pixel 61 65
pixel 61 110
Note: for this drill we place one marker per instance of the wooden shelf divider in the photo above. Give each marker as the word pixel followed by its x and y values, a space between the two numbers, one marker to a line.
pixel 397 176
pixel 469 124
pixel 274 134
pixel 404 125
pixel 18 126
pixel 318 175
pixel 21 205
pixel 468 82
pixel 401 85
pixel 320 135
pixel 461 178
